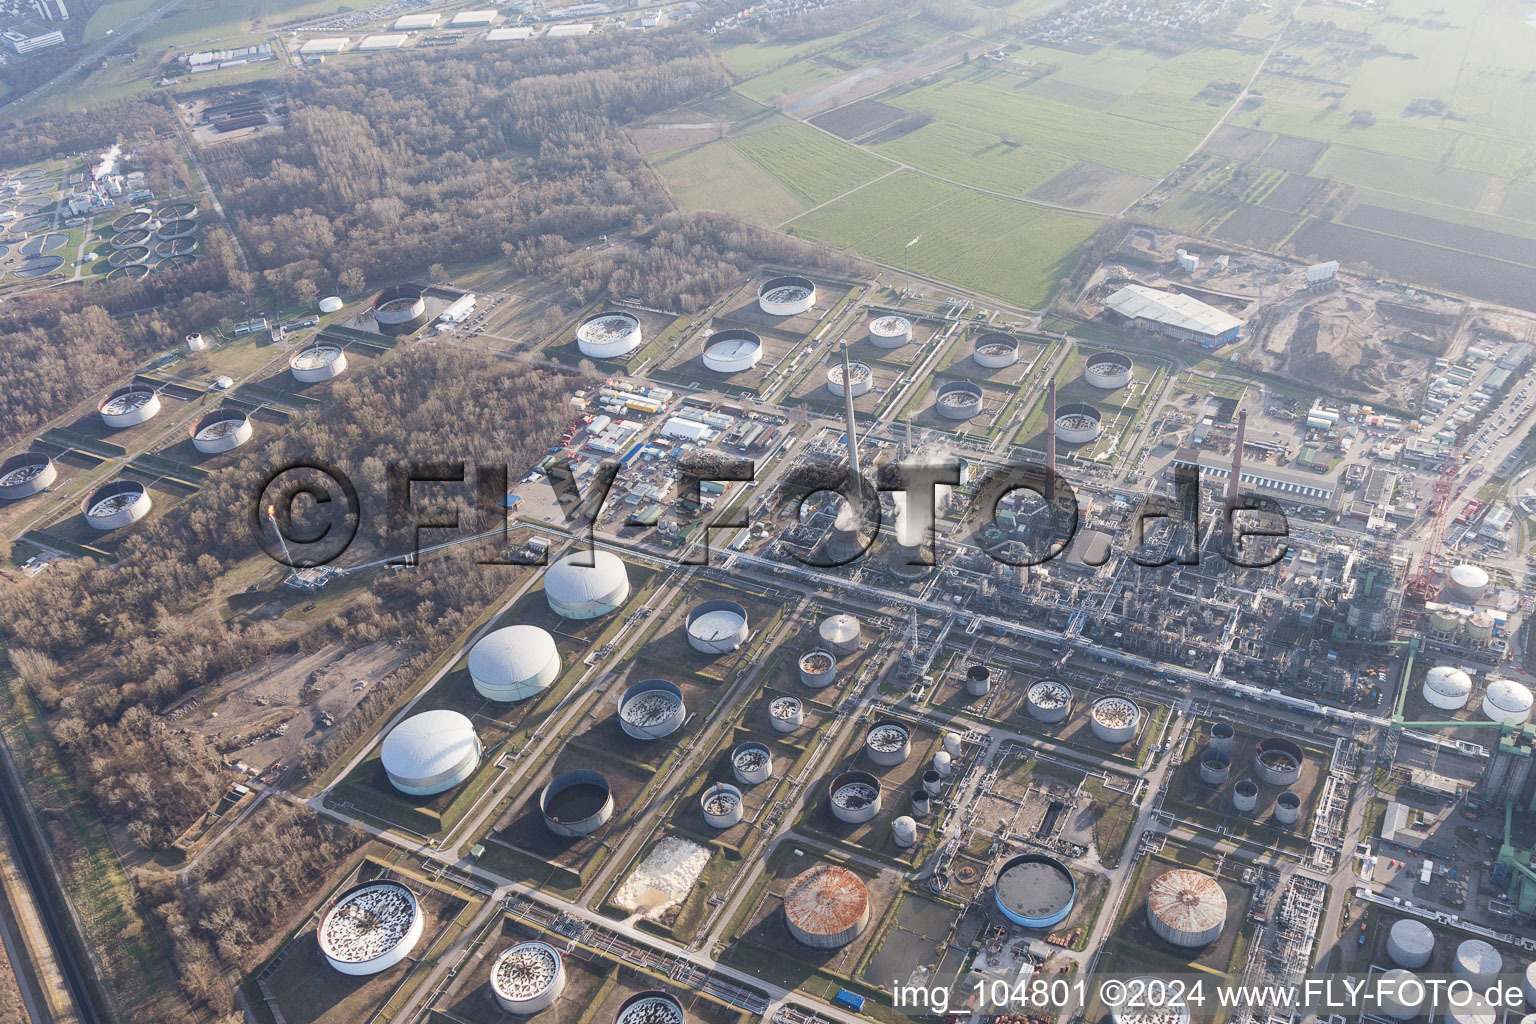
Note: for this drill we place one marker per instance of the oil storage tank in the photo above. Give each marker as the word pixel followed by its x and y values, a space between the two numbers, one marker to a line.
pixel 528 977
pixel 721 804
pixel 1222 735
pixel 1447 688
pixel 221 430
pixel 1245 796
pixel 319 361
pixel 1215 767
pixel 841 632
pixel 715 627
pixel 431 752
pixel 888 743
pixel 818 669
pixel 1477 959
pixel 854 797
pixel 1114 719
pixel 576 803
pixel 752 763
pixel 978 680
pixel 586 585
pixel 1507 701
pixel 786 714
pixel 650 1007
pixel 1402 994
pixel 1287 808
pixel 1034 891
pixel 1410 943
pixel 651 709
pixel 129 406
pixel 958 400
pixel 786 296
pixel 890 331
pixel 1187 908
pixel 1078 423
pixel 514 663
pixel 996 351
pixel 826 906
pixel 1049 701
pixel 24 475
pixel 370 928
pixel 115 505
pixel 400 306
pixel 1277 761
pixel 732 351
pixel 1468 582
pixel 1108 371
pixel 861 376
pixel 609 335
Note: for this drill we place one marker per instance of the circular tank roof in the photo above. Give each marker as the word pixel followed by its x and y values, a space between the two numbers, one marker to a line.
pixel 367 922
pixel 331 304
pixel 572 581
pixel 1469 577
pixel 1474 956
pixel 826 899
pixel 717 620
pixel 1449 681
pixel 512 655
pixel 1509 696
pixel 1187 901
pixel 1035 886
pixel 841 628
pixel 525 971
pixel 429 744
pixel 650 1008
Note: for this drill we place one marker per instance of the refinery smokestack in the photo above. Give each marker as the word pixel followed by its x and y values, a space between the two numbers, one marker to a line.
pixel 1234 482
pixel 1050 443
pixel 856 487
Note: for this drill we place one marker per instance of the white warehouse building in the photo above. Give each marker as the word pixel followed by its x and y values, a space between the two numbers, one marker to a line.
pixel 514 663
pixel 1174 314
pixel 462 309
pixel 684 429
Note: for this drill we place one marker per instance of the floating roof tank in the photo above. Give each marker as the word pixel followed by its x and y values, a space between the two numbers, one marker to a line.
pixel 1215 767
pixel 650 1007
pixel 826 906
pixel 715 627
pixel 1114 719
pixel 786 713
pixel 129 406
pixel 1108 371
pixel 197 343
pixel 1410 943
pixel 24 475
pixel 854 797
pixel 904 832
pixel 978 680
pixel 958 400
pixel 514 663
pixel 528 977
pixel 651 709
pixel 1507 701
pixel 221 430
pixel 1287 808
pixel 115 505
pixel 786 296
pixel 891 331
pixel 1034 891
pixel 818 669
pixel 922 803
pixel 1187 908
pixel 1447 688
pixel 752 762
pixel 1477 958
pixel 721 804
pixel 1078 423
pixel 576 803
pixel 888 743
pixel 1049 701
pixel 841 632
pixel 933 782
pixel 609 335
pixel 860 373
pixel 1277 761
pixel 586 584
pixel 995 351
pixel 1222 735
pixel 431 752
pixel 370 928
pixel 402 305
pixel 319 361
pixel 1245 796
pixel 732 351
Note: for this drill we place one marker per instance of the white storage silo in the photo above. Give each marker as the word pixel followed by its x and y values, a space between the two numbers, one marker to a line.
pixel 1410 943
pixel 514 663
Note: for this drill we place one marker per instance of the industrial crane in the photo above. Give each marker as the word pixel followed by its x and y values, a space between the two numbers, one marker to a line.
pixel 1422 584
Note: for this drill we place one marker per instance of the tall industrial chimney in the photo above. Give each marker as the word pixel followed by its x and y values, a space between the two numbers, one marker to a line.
pixel 855 481
pixel 1050 443
pixel 1234 482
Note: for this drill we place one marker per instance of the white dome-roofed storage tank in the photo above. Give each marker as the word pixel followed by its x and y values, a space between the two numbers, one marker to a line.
pixel 958 400
pixel 1478 959
pixel 576 803
pixel 370 928
pixel 1078 423
pixel 650 1007
pixel 732 351
pixel 752 763
pixel 888 743
pixel 715 627
pixel 1114 719
pixel 891 331
pixel 818 669
pixel 115 505
pixel 1108 371
pixel 24 475
pixel 1401 994
pixel 952 744
pixel 431 752
pixel 943 763
pixel 1470 581
pixel 904 832
pixel 1447 688
pixel 786 296
pixel 331 304
pixel 129 406
pixel 1507 701
pixel 826 906
pixel 1187 908
pixel 514 663
pixel 609 335
pixel 586 584
pixel 854 797
pixel 995 351
pixel 221 430
pixel 528 977
pixel 1049 701
pixel 786 713
pixel 1410 943
pixel 320 361
pixel 721 804
pixel 860 373
pixel 651 709
pixel 841 632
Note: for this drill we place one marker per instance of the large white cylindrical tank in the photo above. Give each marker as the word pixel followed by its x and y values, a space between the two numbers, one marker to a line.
pixel 1108 371
pixel 933 782
pixel 576 803
pixel 1049 701
pixel 431 752
pixel 841 632
pixel 1410 943
pixel 320 361
pixel 826 906
pixel 786 713
pixel 129 406
pixel 1187 908
pixel 221 430
pixel 528 977
pixel 1287 808
pixel 1215 767
pixel 514 663
pixel 1114 719
pixel 1476 1012
pixel 978 680
pixel 952 744
pixel 1245 796
pixel 904 832
pixel 609 335
pixel 818 669
pixel 197 343
pixel 1470 581
pixel 1507 701
pixel 1479 627
pixel 862 376
pixel 1078 423
pixel 854 797
pixel 752 763
pixel 650 1007
pixel 1402 994
pixel 1222 735
pixel 1478 959
pixel 586 584
pixel 1530 985
pixel 995 351
pixel 732 351
pixel 786 296
pixel 721 804
pixel 24 475
pixel 370 928
pixel 1277 761
pixel 651 709
pixel 715 627
pixel 401 305
pixel 958 400
pixel 1447 688
pixel 890 331
pixel 943 763
pixel 888 743
pixel 115 505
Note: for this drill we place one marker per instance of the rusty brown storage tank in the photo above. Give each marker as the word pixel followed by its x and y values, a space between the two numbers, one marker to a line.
pixel 826 906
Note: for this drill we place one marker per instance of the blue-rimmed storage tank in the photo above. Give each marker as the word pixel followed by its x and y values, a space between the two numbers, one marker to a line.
pixel 1035 891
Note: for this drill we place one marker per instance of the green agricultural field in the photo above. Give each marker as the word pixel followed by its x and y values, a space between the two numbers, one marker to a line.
pixel 110 15
pixel 809 163
pixel 1002 247
pixel 789 79
pixel 720 177
pixel 1415 179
